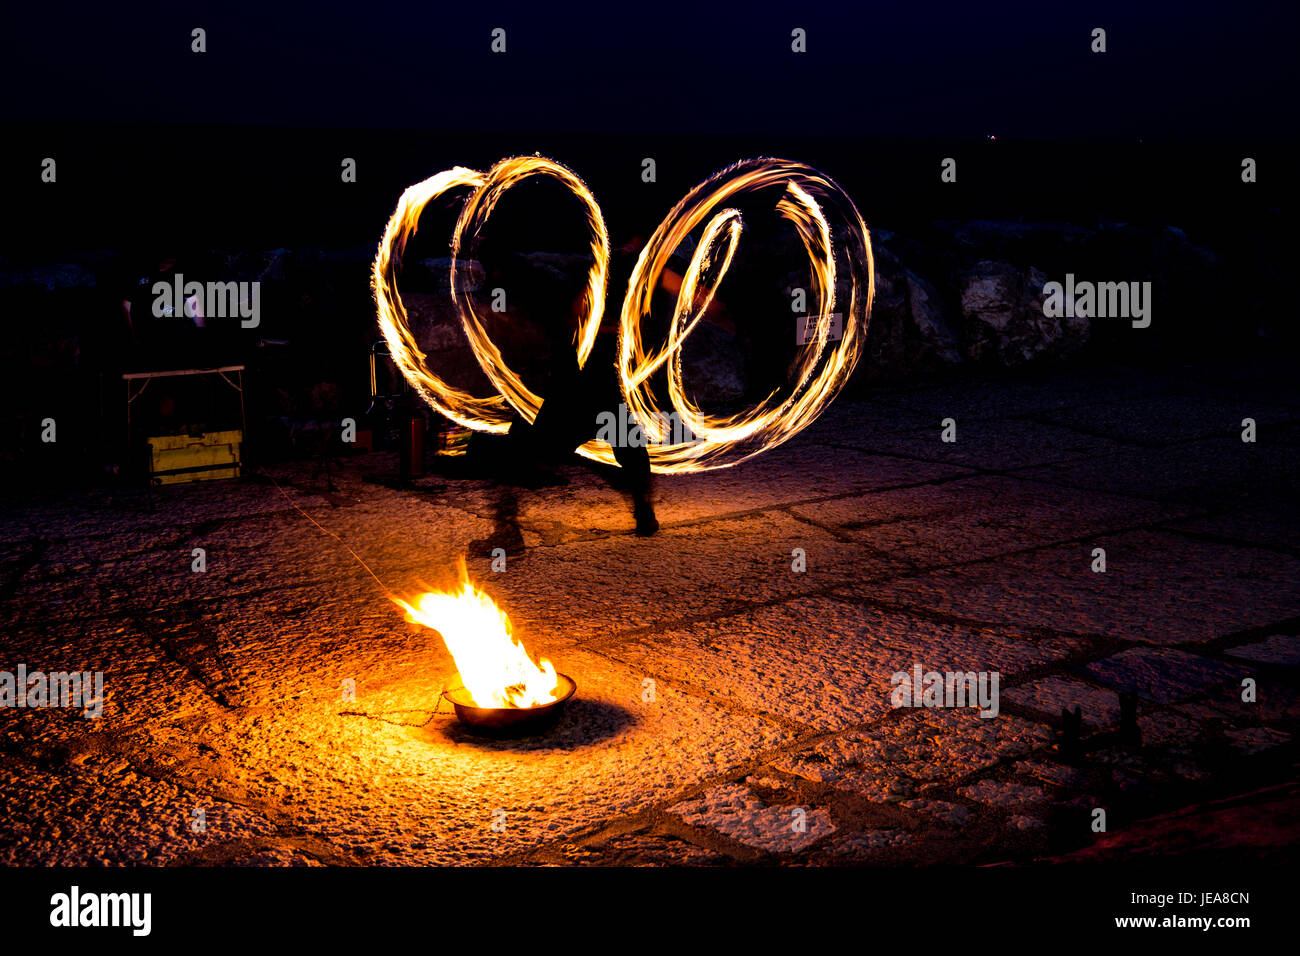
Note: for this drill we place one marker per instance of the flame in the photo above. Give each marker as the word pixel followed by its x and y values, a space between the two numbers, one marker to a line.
pixel 494 667
pixel 829 227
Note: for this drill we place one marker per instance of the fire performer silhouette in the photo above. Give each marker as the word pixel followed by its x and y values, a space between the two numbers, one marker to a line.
pixel 828 227
pixel 576 398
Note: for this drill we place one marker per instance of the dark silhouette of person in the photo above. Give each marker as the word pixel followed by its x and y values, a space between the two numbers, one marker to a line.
pixel 568 418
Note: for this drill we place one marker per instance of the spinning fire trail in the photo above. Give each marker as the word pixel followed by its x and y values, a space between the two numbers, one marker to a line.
pixel 496 671
pixel 820 212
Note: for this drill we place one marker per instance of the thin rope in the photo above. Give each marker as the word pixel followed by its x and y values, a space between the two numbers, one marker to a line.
pixel 388 592
pixel 442 694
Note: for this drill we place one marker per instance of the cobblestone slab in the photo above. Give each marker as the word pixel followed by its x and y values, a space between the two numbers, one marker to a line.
pixel 1162 674
pixel 1275 525
pixel 901 759
pixel 977 517
pixel 1170 419
pixel 1214 473
pixel 1158 588
pixel 995 445
pixel 1027 395
pixel 830 676
pixel 1274 649
pixel 1051 695
pixel 736 813
pixel 793 473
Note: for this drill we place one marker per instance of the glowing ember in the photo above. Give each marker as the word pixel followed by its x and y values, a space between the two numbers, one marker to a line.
pixel 494 667
pixel 830 229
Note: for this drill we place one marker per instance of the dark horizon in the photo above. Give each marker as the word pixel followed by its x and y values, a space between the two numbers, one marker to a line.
pixel 256 187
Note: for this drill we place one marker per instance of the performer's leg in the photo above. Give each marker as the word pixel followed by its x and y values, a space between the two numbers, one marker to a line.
pixel 635 465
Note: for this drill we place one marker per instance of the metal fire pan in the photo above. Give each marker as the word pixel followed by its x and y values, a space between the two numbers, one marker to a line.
pixel 509 721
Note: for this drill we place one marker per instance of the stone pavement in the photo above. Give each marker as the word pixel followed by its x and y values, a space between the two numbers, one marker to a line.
pixel 730 709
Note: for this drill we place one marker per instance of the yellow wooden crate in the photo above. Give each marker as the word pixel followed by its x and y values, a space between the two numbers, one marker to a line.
pixel 177 458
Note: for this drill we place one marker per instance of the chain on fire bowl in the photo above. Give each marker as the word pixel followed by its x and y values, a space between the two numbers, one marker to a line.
pixel 829 227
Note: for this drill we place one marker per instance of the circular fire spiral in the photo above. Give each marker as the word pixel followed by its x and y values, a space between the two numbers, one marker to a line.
pixel 822 216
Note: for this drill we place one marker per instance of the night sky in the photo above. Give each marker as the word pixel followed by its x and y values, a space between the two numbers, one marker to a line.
pixel 910 69
pixel 243 142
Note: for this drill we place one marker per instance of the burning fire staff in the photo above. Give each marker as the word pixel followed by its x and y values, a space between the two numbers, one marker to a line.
pixel 830 230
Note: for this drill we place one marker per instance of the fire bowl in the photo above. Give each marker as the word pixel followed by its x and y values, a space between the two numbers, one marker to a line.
pixel 509 721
